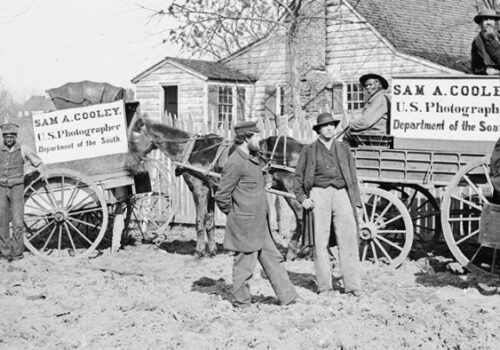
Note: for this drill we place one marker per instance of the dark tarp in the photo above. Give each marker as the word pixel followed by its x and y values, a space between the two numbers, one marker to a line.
pixel 85 93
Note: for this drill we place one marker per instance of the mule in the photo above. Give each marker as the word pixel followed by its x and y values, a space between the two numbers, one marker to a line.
pixel 147 135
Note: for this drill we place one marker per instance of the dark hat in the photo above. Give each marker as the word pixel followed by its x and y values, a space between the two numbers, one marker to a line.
pixel 486 13
pixel 325 118
pixel 9 128
pixel 366 77
pixel 244 128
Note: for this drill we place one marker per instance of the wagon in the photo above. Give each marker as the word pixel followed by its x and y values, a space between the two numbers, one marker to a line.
pixel 92 177
pixel 435 180
pixel 430 176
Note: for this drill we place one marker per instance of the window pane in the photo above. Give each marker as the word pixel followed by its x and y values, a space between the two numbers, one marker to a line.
pixel 225 107
pixel 355 96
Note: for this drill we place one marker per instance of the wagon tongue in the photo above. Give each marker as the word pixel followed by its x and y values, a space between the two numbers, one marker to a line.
pixel 84 93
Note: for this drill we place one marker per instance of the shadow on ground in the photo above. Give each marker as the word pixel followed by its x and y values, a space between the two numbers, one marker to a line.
pixel 441 272
pixel 185 247
pixel 220 287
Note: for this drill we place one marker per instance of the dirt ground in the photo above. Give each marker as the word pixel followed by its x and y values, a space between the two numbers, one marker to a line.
pixel 158 297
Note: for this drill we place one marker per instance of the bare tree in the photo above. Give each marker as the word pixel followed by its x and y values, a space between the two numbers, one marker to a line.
pixel 218 28
pixel 8 107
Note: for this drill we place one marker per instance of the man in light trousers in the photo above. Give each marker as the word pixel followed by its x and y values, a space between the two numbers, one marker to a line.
pixel 325 182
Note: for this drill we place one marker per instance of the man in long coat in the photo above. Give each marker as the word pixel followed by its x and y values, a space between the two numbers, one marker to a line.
pixel 242 197
pixel 325 182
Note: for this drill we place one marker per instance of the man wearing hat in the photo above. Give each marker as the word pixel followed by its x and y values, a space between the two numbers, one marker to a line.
pixel 242 197
pixel 485 50
pixel 13 158
pixel 325 182
pixel 374 115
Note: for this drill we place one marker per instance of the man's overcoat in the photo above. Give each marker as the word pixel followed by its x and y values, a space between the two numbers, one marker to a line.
pixel 242 197
pixel 306 167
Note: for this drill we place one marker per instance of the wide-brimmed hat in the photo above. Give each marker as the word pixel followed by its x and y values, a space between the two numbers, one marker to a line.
pixel 486 13
pixel 9 128
pixel 244 128
pixel 325 118
pixel 366 77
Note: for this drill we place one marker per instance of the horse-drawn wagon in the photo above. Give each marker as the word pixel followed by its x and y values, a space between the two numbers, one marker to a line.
pixel 91 174
pixel 429 176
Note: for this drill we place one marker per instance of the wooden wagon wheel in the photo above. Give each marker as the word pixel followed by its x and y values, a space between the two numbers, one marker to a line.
pixel 65 215
pixel 424 211
pixel 386 231
pixel 153 211
pixel 462 205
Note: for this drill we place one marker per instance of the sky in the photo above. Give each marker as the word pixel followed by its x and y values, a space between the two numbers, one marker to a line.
pixel 47 43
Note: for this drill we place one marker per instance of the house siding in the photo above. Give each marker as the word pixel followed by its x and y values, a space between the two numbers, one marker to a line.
pixel 190 98
pixel 266 60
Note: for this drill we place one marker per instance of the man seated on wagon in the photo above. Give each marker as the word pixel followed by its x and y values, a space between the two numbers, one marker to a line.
pixel 485 50
pixel 375 113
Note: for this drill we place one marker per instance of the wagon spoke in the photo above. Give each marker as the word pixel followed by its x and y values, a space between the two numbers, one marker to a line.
pixel 365 249
pixel 391 231
pixel 476 253
pixel 48 239
pixel 41 230
pixel 487 175
pixel 33 198
pixel 474 187
pixel 385 223
pixel 59 240
pixel 465 201
pixel 36 208
pixel 72 195
pixel 374 250
pixel 69 236
pixel 379 245
pixel 50 194
pixel 365 213
pixel 382 214
pixel 472 234
pixel 79 232
pixel 82 202
pixel 383 239
pixel 375 200
pixel 62 189
pixel 84 211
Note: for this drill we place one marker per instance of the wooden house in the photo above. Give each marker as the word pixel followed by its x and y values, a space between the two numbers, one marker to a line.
pixel 338 41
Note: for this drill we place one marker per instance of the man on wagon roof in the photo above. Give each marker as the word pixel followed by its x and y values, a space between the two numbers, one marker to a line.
pixel 485 49
pixel 13 159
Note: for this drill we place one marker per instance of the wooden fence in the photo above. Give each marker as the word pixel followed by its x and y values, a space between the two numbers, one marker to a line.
pixel 281 216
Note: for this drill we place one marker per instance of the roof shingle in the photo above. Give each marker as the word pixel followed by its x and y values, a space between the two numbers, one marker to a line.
pixel 440 31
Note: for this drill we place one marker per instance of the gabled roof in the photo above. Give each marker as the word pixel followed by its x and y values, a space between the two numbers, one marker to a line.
pixel 440 31
pixel 203 69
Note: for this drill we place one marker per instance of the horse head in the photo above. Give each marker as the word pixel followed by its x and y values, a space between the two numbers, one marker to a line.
pixel 147 135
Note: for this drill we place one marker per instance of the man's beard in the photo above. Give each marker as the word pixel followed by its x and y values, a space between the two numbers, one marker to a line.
pixel 490 31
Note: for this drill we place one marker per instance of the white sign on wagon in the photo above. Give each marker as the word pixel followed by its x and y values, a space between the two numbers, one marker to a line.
pixel 79 133
pixel 446 108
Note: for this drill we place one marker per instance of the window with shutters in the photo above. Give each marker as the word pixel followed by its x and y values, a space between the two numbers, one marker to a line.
pixel 355 96
pixel 225 104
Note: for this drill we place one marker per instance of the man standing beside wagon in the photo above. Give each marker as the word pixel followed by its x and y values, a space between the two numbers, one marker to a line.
pixel 13 158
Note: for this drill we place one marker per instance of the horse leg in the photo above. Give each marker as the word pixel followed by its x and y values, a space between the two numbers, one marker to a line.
pixel 200 196
pixel 210 226
pixel 294 245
